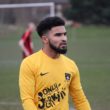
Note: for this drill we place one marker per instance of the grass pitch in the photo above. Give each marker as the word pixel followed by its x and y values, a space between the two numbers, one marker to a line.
pixel 89 46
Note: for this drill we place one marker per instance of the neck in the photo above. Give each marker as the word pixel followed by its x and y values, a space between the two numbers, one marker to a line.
pixel 51 53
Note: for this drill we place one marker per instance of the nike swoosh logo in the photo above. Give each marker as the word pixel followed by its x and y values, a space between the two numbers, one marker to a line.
pixel 42 74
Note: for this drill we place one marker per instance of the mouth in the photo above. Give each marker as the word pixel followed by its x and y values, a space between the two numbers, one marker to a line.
pixel 63 45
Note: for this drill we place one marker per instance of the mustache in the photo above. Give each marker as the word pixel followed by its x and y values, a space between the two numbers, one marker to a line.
pixel 63 43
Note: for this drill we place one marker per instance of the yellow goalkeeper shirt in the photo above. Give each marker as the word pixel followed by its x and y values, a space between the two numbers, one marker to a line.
pixel 45 83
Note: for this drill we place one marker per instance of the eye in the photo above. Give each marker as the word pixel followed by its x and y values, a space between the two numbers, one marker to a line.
pixel 65 33
pixel 58 34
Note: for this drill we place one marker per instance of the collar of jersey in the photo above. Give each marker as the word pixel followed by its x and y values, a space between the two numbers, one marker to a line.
pixel 51 59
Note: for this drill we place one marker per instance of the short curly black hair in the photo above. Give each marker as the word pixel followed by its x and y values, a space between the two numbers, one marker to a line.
pixel 45 25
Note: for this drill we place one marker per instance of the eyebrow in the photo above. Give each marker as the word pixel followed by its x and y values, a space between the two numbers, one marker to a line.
pixel 59 34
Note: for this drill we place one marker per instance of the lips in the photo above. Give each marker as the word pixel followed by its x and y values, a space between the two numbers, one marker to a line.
pixel 64 44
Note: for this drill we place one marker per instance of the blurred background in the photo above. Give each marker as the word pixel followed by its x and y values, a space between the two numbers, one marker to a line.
pixel 88 27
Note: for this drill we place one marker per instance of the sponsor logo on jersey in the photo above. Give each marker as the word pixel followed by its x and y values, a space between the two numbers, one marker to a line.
pixel 50 96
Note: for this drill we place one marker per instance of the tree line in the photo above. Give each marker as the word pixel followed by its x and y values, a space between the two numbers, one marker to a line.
pixel 89 11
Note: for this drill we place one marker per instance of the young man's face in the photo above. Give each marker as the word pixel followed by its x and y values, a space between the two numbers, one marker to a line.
pixel 57 39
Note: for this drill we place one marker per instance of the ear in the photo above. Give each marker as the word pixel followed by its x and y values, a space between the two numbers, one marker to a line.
pixel 45 39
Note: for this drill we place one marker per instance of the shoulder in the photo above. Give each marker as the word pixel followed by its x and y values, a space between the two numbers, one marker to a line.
pixel 26 34
pixel 67 59
pixel 70 62
pixel 32 59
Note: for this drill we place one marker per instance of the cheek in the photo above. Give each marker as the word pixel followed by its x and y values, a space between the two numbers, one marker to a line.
pixel 55 41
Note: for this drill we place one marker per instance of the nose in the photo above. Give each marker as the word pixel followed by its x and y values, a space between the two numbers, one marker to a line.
pixel 64 38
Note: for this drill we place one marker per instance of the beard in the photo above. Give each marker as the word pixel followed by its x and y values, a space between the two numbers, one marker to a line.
pixel 58 50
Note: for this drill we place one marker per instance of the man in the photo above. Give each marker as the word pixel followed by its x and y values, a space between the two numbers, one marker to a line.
pixel 47 77
pixel 25 42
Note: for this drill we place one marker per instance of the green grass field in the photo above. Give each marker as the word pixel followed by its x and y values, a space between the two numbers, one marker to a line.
pixel 88 46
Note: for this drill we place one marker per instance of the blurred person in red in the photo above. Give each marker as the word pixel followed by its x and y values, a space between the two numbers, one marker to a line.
pixel 25 42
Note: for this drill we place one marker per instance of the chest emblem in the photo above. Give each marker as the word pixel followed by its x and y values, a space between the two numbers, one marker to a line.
pixel 67 76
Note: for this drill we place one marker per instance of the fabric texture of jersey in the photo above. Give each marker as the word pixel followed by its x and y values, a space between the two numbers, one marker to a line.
pixel 45 83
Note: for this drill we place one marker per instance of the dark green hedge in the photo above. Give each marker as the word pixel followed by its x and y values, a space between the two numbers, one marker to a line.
pixel 89 11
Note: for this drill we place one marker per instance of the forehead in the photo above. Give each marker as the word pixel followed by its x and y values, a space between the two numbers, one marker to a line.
pixel 58 29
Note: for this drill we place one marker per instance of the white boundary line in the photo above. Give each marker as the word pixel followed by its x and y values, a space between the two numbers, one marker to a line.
pixel 10 103
pixel 17 104
pixel 10 62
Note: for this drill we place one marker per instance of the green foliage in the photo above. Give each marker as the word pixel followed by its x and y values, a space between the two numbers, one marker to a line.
pixel 89 11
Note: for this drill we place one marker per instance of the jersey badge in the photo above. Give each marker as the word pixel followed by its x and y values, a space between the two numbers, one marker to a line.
pixel 67 76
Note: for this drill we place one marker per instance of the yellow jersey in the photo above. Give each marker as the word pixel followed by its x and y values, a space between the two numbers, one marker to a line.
pixel 45 83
